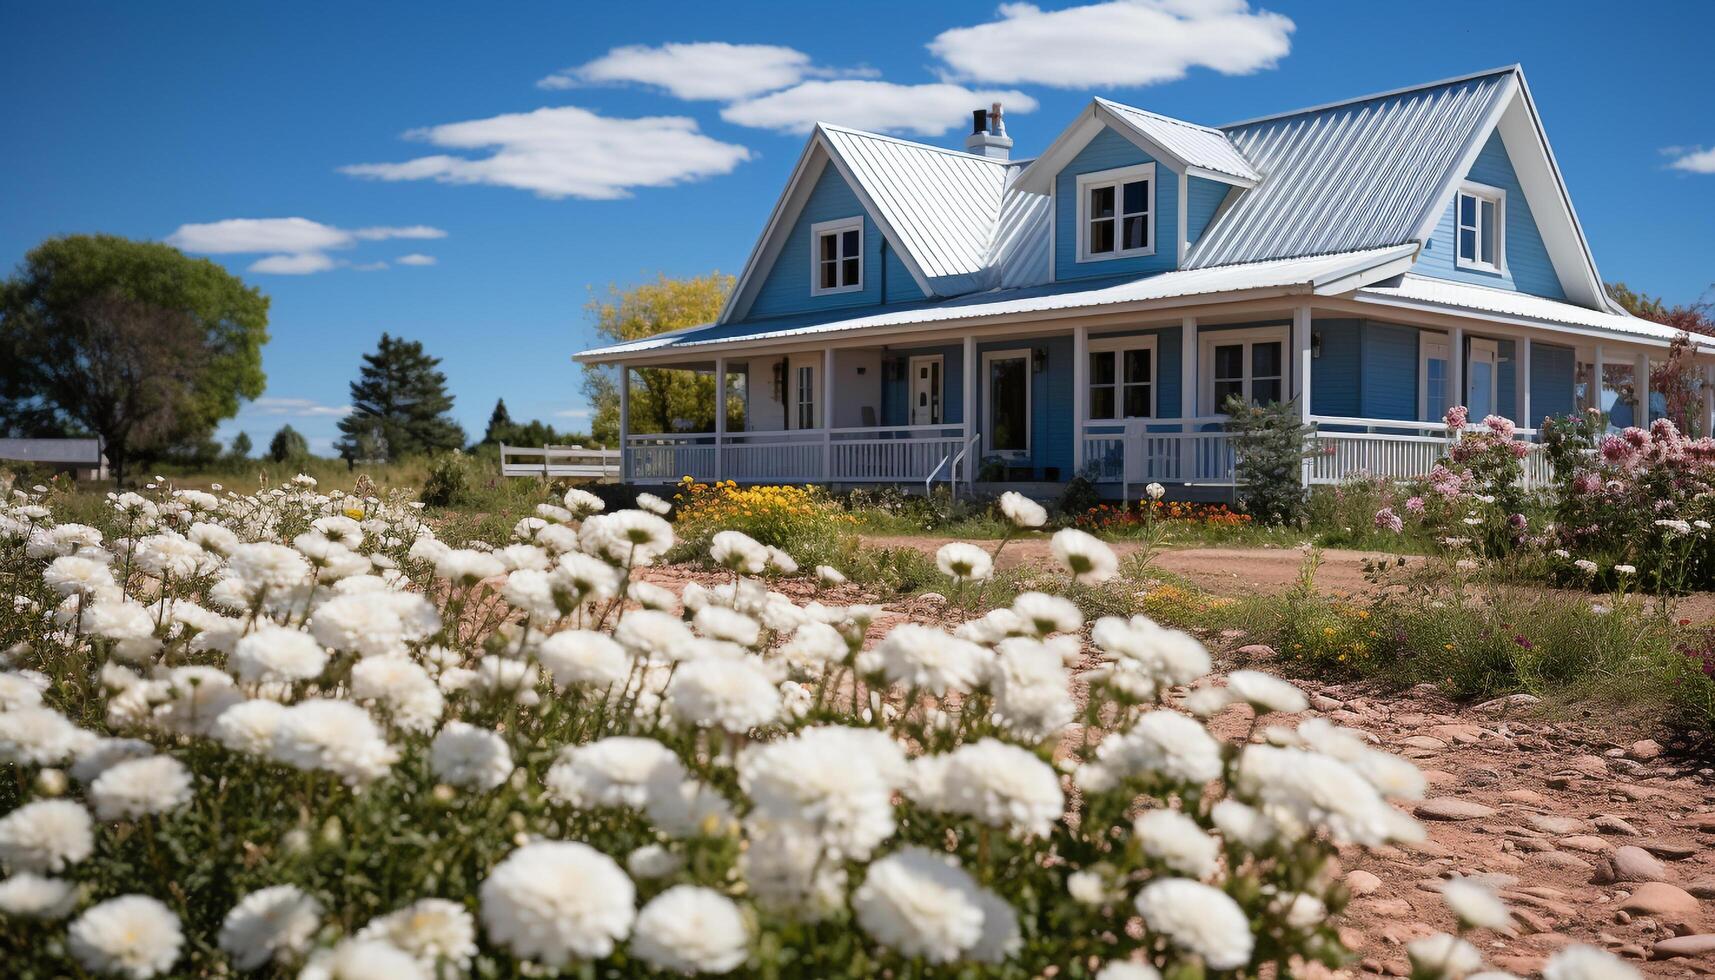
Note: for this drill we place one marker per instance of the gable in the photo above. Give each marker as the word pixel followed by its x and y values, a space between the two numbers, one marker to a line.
pixel 785 287
pixel 1203 200
pixel 1109 150
pixel 1528 267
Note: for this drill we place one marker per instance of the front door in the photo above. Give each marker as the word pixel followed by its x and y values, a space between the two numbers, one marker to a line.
pixel 1007 403
pixel 926 390
pixel 1481 375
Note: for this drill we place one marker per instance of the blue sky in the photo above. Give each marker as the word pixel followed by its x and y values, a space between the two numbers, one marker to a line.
pixel 589 151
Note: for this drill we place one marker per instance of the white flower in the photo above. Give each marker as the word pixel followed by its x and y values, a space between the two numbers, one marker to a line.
pixel 431 929
pixel 514 680
pixel 1199 919
pixel 556 901
pixel 782 562
pixel 1001 785
pixel 466 566
pixel 1443 956
pixel 619 771
pixel 1021 510
pixel 274 923
pixel 731 693
pixel 688 929
pixel 363 959
pixel 73 575
pixel 722 623
pixel 1155 491
pixel 46 835
pixel 628 538
pixel 131 936
pixel 928 659
pixel 264 565
pixel 1314 790
pixel 1586 566
pixel 814 645
pixel 835 782
pixel 919 903
pixel 1243 824
pixel 583 578
pixel 738 551
pixel 1033 697
pixel 964 562
pixel 653 504
pixel 31 896
pixel 140 787
pixel 653 861
pixel 1161 742
pixel 470 757
pixel 1089 561
pixel 655 634
pixel 359 624
pixel 1176 841
pixel 1047 614
pixel 1166 657
pixel 34 736
pixel 830 575
pixel 402 687
pixel 1625 569
pixel 584 657
pixel 333 736
pixel 1266 692
pixel 649 595
pixel 582 503
pixel 274 653
pixel 532 592
pixel 249 726
pixel 1476 905
pixel 21 689
pixel 1579 962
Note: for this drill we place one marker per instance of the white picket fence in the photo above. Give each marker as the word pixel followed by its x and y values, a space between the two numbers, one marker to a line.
pixel 567 462
pixel 881 454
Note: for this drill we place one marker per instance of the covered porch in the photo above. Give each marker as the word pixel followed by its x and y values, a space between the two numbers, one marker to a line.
pixel 1128 400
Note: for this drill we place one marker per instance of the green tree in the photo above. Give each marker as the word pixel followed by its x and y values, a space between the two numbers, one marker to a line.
pixel 241 447
pixel 133 341
pixel 499 424
pixel 1270 444
pixel 287 445
pixel 659 397
pixel 399 405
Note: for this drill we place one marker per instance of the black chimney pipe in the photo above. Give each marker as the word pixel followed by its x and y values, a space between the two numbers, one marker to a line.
pixel 979 121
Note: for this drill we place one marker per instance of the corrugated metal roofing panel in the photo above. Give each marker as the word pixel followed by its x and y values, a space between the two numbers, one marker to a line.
pixel 1457 296
pixel 1355 175
pixel 1280 274
pixel 1198 146
pixel 52 450
pixel 1019 255
pixel 943 204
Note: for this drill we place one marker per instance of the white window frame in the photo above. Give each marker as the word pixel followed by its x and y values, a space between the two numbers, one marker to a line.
pixel 1425 338
pixel 1496 196
pixel 1118 346
pixel 1029 358
pixel 1115 179
pixel 938 391
pixel 1209 339
pixel 796 394
pixel 836 227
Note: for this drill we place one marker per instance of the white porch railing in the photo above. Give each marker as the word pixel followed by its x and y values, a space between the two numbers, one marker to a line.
pixel 880 454
pixel 574 462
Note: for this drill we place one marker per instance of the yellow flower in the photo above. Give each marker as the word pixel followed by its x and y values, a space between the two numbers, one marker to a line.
pixel 355 513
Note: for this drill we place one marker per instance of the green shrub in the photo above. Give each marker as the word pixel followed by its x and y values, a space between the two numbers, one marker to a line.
pixel 1269 448
pixel 449 481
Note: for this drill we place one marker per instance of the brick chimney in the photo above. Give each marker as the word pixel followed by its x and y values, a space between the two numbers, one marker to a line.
pixel 988 134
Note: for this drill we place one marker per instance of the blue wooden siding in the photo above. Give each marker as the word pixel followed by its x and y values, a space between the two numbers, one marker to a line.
pixel 1366 370
pixel 1506 379
pixel 1528 268
pixel 1109 151
pixel 1202 199
pixel 786 287
pixel 896 385
pixel 1552 370
pixel 1334 376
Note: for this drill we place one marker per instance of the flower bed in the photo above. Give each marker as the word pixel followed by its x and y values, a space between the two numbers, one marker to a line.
pixel 299 731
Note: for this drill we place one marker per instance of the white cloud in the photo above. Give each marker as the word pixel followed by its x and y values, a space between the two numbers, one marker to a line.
pixel 566 152
pixel 369 267
pixel 1697 161
pixel 410 231
pixel 415 258
pixel 296 408
pixel 703 70
pixel 926 110
pixel 572 413
pixel 301 264
pixel 1119 43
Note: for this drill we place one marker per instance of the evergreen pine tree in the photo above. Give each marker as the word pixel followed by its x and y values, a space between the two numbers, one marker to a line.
pixel 288 444
pixel 500 424
pixel 399 406
pixel 241 446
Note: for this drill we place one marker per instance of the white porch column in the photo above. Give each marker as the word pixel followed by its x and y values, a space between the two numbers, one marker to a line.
pixel 720 418
pixel 1597 385
pixel 1521 383
pixel 1456 367
pixel 1080 394
pixel 1640 390
pixel 828 414
pixel 970 410
pixel 1707 375
pixel 1301 350
pixel 625 423
pixel 1189 384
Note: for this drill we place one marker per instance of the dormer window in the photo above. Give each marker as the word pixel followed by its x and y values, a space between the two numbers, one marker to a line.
pixel 1116 216
pixel 837 259
pixel 1480 217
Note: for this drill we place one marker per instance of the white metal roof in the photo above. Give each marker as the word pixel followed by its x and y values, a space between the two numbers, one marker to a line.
pixel 1355 175
pixel 1324 273
pixel 1424 292
pixel 1194 145
pixel 943 204
pixel 52 450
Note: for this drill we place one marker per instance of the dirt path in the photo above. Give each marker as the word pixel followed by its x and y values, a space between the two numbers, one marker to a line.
pixel 1228 571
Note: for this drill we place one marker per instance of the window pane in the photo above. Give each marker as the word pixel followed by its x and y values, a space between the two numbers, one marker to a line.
pixel 850 275
pixel 829 273
pixel 1265 392
pixel 1101 403
pixel 1007 415
pixel 849 243
pixel 1101 236
pixel 1487 237
pixel 1136 232
pixel 1102 367
pixel 1137 366
pixel 1468 244
pixel 1137 402
pixel 1101 202
pixel 1265 360
pixel 1136 197
pixel 830 247
pixel 1226 389
pixel 1467 210
pixel 1229 361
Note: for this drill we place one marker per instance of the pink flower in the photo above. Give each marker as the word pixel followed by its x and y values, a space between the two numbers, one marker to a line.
pixel 1456 418
pixel 1519 449
pixel 1500 425
pixel 1387 520
pixel 1414 505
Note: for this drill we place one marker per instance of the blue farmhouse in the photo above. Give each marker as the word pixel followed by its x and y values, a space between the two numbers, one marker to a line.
pixel 914 313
